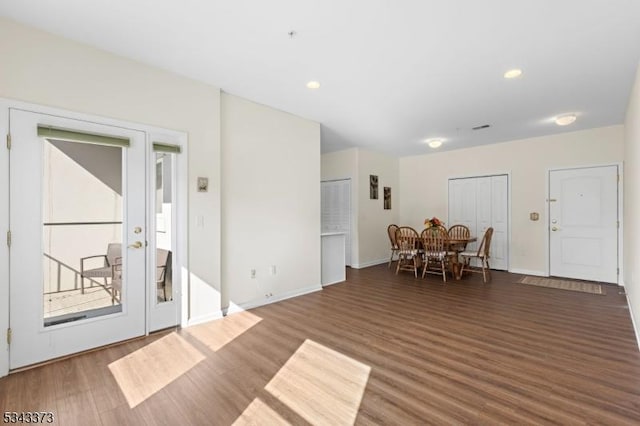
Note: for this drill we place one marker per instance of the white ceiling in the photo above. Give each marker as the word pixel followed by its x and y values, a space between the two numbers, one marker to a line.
pixel 393 73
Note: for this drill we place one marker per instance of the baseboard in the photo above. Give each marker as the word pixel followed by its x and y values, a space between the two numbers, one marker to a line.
pixel 333 282
pixel 204 318
pixel 371 263
pixel 633 320
pixel 528 272
pixel 234 308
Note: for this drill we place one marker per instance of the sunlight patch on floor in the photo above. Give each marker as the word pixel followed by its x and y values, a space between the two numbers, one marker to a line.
pixel 321 385
pixel 149 369
pixel 258 413
pixel 216 334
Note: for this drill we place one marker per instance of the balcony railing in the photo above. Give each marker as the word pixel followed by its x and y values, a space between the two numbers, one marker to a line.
pixel 60 266
pixel 76 275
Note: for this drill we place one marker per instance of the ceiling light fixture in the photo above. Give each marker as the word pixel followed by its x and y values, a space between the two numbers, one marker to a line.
pixel 434 143
pixel 565 120
pixel 514 73
pixel 313 85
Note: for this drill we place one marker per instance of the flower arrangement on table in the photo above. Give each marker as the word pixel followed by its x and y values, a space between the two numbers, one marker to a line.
pixel 434 221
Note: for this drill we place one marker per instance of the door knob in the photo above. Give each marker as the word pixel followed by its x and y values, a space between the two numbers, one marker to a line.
pixel 554 228
pixel 136 245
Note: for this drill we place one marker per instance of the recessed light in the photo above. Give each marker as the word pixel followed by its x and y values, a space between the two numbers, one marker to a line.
pixel 313 85
pixel 434 143
pixel 565 120
pixel 514 73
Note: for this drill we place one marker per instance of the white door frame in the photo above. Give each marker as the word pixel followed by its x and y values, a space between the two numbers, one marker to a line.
pixel 509 186
pixel 620 216
pixel 181 260
pixel 4 249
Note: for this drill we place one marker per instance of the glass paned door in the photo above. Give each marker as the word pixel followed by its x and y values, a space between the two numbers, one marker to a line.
pixel 78 222
pixel 164 233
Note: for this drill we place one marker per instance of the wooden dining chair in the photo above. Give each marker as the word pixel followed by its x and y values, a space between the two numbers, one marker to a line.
pixel 459 232
pixel 391 231
pixel 407 239
pixel 482 254
pixel 434 241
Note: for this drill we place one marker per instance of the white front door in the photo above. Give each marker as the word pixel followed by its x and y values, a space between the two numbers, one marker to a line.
pixel 77 191
pixel 583 223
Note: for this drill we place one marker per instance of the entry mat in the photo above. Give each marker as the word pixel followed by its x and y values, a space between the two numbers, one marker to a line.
pixel 581 286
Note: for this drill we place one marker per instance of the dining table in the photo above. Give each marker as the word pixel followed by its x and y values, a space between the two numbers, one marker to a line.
pixel 457 246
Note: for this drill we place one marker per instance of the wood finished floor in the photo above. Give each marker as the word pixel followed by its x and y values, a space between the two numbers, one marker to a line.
pixel 457 353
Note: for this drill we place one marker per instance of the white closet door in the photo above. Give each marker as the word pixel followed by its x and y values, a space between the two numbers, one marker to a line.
pixel 480 203
pixel 499 221
pixel 462 204
pixel 484 206
pixel 345 218
pixel 336 211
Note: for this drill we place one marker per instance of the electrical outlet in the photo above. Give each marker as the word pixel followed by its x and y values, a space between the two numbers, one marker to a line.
pixel 273 269
pixel 253 273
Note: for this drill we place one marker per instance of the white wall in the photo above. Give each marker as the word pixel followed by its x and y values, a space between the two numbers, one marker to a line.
pixel 270 203
pixel 423 181
pixel 632 203
pixel 41 68
pixel 373 220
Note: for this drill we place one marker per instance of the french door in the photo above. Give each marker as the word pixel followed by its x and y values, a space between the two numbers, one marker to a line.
pixel 78 220
pixel 583 223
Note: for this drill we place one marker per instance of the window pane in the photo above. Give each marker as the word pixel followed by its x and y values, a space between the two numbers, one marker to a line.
pixel 82 226
pixel 164 228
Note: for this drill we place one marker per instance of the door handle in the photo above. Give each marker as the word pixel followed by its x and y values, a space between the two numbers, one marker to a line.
pixel 136 245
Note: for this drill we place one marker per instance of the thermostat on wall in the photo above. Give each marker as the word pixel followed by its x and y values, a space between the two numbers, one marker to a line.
pixel 203 184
